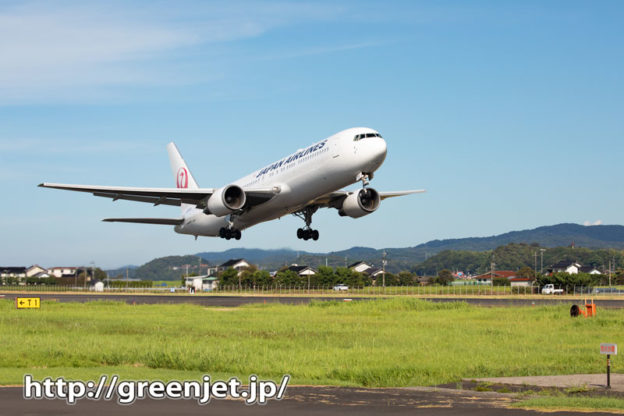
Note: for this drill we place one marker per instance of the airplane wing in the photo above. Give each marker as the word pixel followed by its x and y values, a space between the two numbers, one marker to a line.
pixel 162 196
pixel 161 221
pixel 384 195
pixel 334 199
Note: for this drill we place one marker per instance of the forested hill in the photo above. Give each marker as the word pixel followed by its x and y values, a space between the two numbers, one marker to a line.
pixel 560 235
pixel 595 236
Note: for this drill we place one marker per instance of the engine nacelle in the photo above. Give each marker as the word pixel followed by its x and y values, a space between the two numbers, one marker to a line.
pixel 360 203
pixel 226 200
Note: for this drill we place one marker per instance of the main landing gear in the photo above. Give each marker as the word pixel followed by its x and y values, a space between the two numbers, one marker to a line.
pixel 306 232
pixel 229 233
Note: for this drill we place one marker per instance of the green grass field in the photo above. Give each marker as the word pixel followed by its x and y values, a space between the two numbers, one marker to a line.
pixel 394 342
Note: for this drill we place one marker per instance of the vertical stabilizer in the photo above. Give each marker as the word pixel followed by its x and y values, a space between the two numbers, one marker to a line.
pixel 181 173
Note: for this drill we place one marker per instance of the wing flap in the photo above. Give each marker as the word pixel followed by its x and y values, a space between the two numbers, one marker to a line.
pixel 149 199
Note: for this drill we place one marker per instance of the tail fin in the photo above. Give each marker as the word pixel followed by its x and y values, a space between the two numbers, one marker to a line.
pixel 181 172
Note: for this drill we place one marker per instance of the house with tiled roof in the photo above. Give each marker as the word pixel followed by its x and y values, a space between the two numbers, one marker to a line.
pixel 302 270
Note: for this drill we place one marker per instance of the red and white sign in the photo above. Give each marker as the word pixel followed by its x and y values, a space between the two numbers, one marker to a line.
pixel 608 349
pixel 182 178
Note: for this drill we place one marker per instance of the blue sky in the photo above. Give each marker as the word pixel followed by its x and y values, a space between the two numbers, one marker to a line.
pixel 509 113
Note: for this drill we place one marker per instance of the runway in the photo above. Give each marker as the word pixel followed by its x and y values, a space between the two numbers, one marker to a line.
pixel 233 301
pixel 297 401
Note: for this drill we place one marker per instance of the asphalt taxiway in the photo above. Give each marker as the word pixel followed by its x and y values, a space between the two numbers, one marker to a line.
pixel 297 401
pixel 233 301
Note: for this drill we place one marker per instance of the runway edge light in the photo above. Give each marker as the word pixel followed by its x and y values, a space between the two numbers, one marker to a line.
pixel 608 349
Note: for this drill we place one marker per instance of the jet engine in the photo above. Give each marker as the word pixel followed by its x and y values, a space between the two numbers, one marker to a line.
pixel 360 203
pixel 226 200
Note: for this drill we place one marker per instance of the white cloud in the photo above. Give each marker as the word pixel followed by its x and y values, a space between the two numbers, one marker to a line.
pixel 588 223
pixel 68 50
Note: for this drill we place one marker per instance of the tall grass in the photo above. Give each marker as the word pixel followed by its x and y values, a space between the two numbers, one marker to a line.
pixel 386 342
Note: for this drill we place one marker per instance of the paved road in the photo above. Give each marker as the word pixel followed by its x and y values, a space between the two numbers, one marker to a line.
pixel 298 401
pixel 232 301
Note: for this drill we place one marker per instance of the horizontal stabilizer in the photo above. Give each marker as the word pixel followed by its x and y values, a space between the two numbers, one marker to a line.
pixel 162 221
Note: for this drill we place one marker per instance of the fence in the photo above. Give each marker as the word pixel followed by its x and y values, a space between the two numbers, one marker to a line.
pixel 328 290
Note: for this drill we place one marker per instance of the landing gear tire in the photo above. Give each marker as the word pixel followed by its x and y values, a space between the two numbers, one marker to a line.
pixel 307 234
pixel 228 233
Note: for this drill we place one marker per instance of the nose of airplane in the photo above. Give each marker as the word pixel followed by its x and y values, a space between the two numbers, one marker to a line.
pixel 380 149
pixel 377 150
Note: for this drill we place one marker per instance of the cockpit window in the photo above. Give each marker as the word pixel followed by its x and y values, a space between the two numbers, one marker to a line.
pixel 365 135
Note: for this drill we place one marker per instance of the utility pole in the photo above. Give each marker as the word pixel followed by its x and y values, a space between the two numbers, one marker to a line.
pixel 535 262
pixel 92 271
pixel 542 250
pixel 383 267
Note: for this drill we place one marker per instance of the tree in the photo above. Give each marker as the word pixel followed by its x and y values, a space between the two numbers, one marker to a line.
pixel 325 276
pixel 228 277
pixel 501 281
pixel 391 280
pixel 287 278
pixel 100 274
pixel 262 278
pixel 406 279
pixel 445 277
pixel 245 277
pixel 526 272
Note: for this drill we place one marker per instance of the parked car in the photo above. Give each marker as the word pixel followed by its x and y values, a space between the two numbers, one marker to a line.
pixel 339 288
pixel 549 289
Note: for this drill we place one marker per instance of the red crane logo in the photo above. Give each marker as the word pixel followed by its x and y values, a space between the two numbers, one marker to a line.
pixel 182 178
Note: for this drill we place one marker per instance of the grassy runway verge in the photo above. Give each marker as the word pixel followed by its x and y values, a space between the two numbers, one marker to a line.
pixel 386 342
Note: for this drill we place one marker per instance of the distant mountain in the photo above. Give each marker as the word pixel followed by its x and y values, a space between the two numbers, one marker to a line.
pixel 253 255
pixel 595 236
pixel 121 271
pixel 560 235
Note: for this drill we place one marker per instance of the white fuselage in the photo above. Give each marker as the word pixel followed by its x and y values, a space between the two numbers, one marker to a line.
pixel 301 177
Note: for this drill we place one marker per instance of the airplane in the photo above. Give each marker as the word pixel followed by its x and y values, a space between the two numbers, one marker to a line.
pixel 298 184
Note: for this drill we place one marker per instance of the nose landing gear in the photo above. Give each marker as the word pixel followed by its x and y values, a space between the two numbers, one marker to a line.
pixel 306 232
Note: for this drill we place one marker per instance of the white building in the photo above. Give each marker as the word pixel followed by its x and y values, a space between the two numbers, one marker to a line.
pixel 360 267
pixel 236 264
pixel 201 283
pixel 62 271
pixel 36 271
